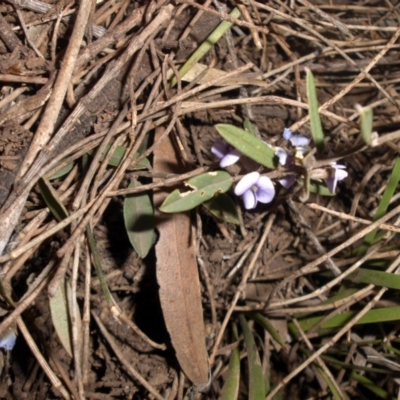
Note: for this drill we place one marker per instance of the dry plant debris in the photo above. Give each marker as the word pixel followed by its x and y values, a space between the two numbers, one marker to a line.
pixel 305 293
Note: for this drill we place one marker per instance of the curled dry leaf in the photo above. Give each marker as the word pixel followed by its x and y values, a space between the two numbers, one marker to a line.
pixel 178 277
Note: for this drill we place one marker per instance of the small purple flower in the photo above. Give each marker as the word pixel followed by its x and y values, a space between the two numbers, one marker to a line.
pixel 255 188
pixel 338 173
pixel 7 342
pixel 227 154
pixel 295 140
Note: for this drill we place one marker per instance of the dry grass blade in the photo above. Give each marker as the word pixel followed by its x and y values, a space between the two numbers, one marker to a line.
pixel 178 276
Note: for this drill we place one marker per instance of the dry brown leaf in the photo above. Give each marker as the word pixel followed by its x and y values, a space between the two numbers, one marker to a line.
pixel 177 275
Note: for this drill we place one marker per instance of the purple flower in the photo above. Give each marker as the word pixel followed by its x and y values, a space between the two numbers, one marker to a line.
pixel 338 173
pixel 295 140
pixel 255 188
pixel 227 154
pixel 7 342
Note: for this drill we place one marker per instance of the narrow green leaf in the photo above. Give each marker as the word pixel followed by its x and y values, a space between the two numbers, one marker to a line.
pixel 371 385
pixel 230 390
pixel 385 201
pixel 248 144
pixel 60 306
pixel 327 379
pixel 378 278
pixel 139 220
pixel 267 325
pixel 61 172
pixel 52 200
pixel 338 321
pixel 256 378
pixel 223 207
pixel 204 187
pixel 366 123
pixel 205 47
pixel 315 119
pixel 118 155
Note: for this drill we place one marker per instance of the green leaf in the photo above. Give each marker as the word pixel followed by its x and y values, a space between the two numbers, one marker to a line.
pixel 267 325
pixel 248 144
pixel 375 316
pixel 223 207
pixel 315 119
pixel 230 390
pixel 61 172
pixel 204 187
pixel 118 155
pixel 52 200
pixel 60 306
pixel 208 43
pixel 378 278
pixel 256 378
pixel 139 220
pixel 385 201
pixel 366 123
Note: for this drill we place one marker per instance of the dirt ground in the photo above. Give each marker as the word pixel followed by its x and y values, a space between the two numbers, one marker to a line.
pixel 62 96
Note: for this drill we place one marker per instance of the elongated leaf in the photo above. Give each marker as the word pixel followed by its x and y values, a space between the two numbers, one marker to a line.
pixel 315 119
pixel 338 321
pixel 117 156
pixel 61 172
pixel 60 306
pixel 52 199
pixel 205 47
pixel 267 325
pixel 366 123
pixel 248 144
pixel 256 377
pixel 385 201
pixel 223 207
pixel 204 187
pixel 178 278
pixel 230 390
pixel 320 188
pixel 139 221
pixel 378 278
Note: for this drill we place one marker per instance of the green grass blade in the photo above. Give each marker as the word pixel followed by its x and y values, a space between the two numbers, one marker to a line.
pixel 205 47
pixel 230 390
pixel 267 325
pixel 377 278
pixel 256 377
pixel 338 321
pixel 52 200
pixel 385 201
pixel 248 144
pixel 366 123
pixel 315 119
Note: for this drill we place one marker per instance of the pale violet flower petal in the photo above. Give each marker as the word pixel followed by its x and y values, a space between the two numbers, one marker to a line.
pixel 219 149
pixel 338 174
pixel 249 199
pixel 341 174
pixel 331 184
pixel 7 342
pixel 265 190
pixel 281 154
pixel 288 181
pixel 229 159
pixel 299 141
pixel 287 134
pixel 246 183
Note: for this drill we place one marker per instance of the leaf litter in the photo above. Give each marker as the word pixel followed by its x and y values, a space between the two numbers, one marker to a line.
pixel 116 94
